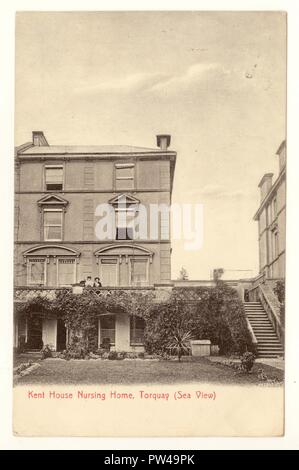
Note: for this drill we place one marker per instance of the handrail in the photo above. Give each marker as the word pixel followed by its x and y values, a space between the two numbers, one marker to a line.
pixel 272 309
pixel 253 337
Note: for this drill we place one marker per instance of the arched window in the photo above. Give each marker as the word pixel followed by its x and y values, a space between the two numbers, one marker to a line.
pixel 51 265
pixel 124 265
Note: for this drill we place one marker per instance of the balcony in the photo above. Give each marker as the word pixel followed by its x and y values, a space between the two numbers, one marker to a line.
pixel 24 293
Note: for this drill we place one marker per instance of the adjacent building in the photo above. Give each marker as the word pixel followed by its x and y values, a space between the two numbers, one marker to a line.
pixel 60 195
pixel 271 218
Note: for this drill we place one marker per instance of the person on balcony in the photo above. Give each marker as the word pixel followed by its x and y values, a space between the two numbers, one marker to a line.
pixel 97 282
pixel 88 282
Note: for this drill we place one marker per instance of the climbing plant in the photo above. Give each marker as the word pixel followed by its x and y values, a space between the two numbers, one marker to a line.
pixel 206 313
pixel 214 313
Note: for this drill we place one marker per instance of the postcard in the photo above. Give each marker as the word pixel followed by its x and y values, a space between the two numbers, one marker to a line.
pixel 150 223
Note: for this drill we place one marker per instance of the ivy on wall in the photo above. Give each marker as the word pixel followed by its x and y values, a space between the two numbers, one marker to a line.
pixel 214 313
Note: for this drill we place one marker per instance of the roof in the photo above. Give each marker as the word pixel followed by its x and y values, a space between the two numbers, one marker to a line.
pixel 88 149
pixel 269 195
pixel 281 147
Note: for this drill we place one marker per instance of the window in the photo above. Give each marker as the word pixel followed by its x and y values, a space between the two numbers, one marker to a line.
pixel 274 243
pixel 139 272
pixel 54 178
pixel 274 207
pixel 66 272
pixel 107 332
pixel 124 224
pixel 137 326
pixel 37 271
pixel 124 176
pixel 108 274
pixel 52 224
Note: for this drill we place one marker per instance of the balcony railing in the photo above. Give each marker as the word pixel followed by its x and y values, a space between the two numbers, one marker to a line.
pixel 24 293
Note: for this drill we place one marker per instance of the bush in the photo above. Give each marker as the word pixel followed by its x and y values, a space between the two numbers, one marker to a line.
pixel 132 355
pixel 100 351
pixel 112 355
pixel 279 291
pixel 75 350
pixel 121 355
pixel 215 313
pixel 46 352
pixel 247 361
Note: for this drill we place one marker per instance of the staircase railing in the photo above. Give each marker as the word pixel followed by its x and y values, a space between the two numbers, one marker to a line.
pixel 261 291
pixel 272 307
pixel 250 329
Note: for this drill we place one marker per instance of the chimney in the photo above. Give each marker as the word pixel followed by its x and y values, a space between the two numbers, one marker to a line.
pixel 39 139
pixel 163 141
pixel 265 184
pixel 281 152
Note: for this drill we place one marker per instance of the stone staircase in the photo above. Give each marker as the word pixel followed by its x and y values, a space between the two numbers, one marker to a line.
pixel 268 344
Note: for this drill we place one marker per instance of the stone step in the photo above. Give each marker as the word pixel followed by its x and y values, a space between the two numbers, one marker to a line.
pixel 268 345
pixel 262 336
pixel 248 310
pixel 266 328
pixel 267 334
pixel 270 355
pixel 260 321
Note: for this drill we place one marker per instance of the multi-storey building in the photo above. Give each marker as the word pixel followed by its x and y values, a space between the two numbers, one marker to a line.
pixel 271 217
pixel 61 193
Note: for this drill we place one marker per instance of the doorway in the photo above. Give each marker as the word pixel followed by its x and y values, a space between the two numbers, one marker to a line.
pixel 35 333
pixel 61 335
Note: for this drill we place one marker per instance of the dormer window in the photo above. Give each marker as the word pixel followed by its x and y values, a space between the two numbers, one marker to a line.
pixel 54 177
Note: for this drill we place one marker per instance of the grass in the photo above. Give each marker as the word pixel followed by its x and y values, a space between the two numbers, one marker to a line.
pixel 59 371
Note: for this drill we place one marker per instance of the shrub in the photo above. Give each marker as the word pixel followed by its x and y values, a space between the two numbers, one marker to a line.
pixel 100 351
pixel 121 355
pixel 75 350
pixel 215 313
pixel 132 355
pixel 247 361
pixel 279 291
pixel 46 352
pixel 112 355
pixel 180 342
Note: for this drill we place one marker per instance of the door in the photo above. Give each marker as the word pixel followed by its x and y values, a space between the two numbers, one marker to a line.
pixel 35 331
pixel 61 335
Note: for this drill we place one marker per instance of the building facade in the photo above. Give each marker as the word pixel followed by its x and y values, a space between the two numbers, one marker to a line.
pixel 62 196
pixel 271 218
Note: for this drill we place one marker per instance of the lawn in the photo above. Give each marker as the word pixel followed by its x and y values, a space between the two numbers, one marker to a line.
pixel 59 371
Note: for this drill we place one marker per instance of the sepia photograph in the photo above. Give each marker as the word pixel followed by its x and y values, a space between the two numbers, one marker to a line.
pixel 149 223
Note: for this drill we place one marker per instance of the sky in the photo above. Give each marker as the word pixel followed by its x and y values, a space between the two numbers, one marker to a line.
pixel 215 81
